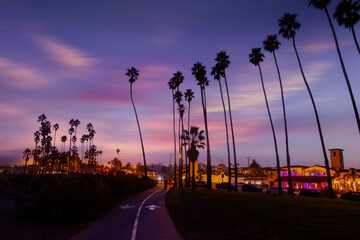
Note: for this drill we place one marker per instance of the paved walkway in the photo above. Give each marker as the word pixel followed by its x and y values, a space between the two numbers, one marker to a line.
pixel 143 216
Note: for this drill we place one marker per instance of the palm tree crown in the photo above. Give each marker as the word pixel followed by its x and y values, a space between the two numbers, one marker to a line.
pixel 256 56
pixel 217 72
pixel 271 43
pixel 133 74
pixel 288 25
pixel 223 60
pixel 189 95
pixel 199 71
pixel 177 79
pixel 347 13
pixel 178 97
pixel 320 4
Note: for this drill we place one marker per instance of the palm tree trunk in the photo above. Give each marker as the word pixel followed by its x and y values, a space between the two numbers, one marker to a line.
pixel 227 135
pixel 208 156
pixel 232 133
pixel 344 70
pixel 181 150
pixel 193 176
pixel 141 140
pixel 355 39
pixel 317 122
pixel 175 182
pixel 188 169
pixel 54 138
pixel 286 131
pixel 180 154
pixel 272 127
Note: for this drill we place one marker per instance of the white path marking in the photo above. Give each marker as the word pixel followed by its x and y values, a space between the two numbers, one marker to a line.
pixel 127 206
pixel 152 207
pixel 133 236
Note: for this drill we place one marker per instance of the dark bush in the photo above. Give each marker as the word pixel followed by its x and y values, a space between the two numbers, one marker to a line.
pixel 74 197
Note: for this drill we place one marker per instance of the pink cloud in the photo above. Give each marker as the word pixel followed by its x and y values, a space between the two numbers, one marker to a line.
pixel 62 53
pixel 20 76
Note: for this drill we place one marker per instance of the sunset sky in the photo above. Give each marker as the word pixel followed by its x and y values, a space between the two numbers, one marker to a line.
pixel 68 59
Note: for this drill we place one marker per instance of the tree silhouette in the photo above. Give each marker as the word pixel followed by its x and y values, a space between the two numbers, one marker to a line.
pixel 288 26
pixel 217 72
pixel 118 151
pixel 347 14
pixel 178 99
pixel 26 156
pixel 133 75
pixel 223 60
pixel 199 71
pixel 271 44
pixel 55 127
pixel 189 95
pixel 255 58
pixel 172 86
pixel 195 139
pixel 322 4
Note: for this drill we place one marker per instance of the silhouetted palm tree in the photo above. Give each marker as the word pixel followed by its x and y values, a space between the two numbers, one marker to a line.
pixel 76 124
pixel 118 151
pixel 288 26
pixel 133 75
pixel 271 44
pixel 172 86
pixel 181 110
pixel 199 71
pixel 217 72
pixel 255 58
pixel 195 139
pixel 26 156
pixel 189 95
pixel 63 140
pixel 55 127
pixel 223 60
pixel 322 4
pixel 178 99
pixel 347 14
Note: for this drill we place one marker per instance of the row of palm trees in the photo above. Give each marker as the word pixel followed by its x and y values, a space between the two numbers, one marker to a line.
pixel 289 25
pixel 347 14
pixel 48 158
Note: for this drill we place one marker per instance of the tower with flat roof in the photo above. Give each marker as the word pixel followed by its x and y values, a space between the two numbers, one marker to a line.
pixel 337 158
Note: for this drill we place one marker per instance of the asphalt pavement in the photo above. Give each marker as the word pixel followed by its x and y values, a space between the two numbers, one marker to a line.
pixel 143 216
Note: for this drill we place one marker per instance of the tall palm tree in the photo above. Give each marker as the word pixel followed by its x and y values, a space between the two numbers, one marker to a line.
pixel 216 71
pixel 63 140
pixel 76 124
pixel 172 86
pixel 178 99
pixel 347 14
pixel 199 71
pixel 271 44
pixel 255 58
pixel 118 151
pixel 133 75
pixel 189 95
pixel 288 26
pixel 322 4
pixel 181 110
pixel 37 135
pixel 223 60
pixel 26 156
pixel 55 127
pixel 195 139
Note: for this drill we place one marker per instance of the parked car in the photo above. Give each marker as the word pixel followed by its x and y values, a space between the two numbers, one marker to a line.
pixel 200 184
pixel 251 188
pixel 352 196
pixel 309 192
pixel 224 185
pixel 275 190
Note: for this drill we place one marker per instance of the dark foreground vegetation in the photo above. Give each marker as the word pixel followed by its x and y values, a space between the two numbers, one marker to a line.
pixel 204 214
pixel 57 206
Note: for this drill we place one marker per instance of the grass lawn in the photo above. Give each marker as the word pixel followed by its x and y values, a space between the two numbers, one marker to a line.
pixel 222 215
